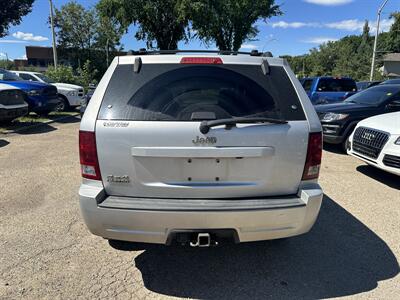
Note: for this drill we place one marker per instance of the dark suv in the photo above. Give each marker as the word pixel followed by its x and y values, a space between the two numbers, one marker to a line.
pixel 338 120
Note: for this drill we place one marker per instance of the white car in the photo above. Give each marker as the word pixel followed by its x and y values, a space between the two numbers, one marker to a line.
pixel 70 94
pixel 199 148
pixel 12 103
pixel 376 141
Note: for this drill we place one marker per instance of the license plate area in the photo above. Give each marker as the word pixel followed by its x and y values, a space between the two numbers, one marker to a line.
pixel 205 169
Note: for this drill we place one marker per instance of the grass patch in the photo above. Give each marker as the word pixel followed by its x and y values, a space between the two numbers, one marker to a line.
pixel 33 119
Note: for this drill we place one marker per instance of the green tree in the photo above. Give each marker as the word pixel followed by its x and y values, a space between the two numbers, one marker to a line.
pixel 365 34
pixel 11 12
pixel 109 35
pixel 349 56
pixel 83 76
pixel 323 59
pixel 61 74
pixel 76 29
pixel 86 75
pixel 301 65
pixel 364 55
pixel 6 64
pixel 228 23
pixel 393 37
pixel 159 21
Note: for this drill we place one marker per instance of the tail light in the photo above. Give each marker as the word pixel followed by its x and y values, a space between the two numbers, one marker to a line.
pixel 202 60
pixel 88 155
pixel 314 155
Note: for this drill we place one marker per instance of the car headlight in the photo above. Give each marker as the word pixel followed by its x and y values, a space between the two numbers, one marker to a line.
pixel 328 117
pixel 397 142
pixel 33 92
pixel 72 93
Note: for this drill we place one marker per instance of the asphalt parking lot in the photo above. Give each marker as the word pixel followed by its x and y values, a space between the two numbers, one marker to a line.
pixel 46 251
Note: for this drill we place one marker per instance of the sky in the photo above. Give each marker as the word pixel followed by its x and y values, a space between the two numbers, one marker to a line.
pixel 304 24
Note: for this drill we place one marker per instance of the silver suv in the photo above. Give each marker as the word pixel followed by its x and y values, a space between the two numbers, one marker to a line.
pixel 197 147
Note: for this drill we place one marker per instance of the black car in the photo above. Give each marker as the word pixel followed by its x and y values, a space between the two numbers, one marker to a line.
pixel 363 85
pixel 339 119
pixel 391 81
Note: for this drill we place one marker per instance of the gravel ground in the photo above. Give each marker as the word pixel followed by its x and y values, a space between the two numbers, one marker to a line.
pixel 46 251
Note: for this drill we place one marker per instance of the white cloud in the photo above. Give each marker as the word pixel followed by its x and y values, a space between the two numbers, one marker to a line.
pixel 319 40
pixel 348 25
pixel 351 25
pixel 12 42
pixel 248 46
pixel 329 2
pixel 29 36
pixel 2 54
pixel 384 25
pixel 357 25
pixel 283 24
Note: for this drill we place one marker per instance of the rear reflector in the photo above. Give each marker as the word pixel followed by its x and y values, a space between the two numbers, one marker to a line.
pixel 202 60
pixel 314 155
pixel 88 155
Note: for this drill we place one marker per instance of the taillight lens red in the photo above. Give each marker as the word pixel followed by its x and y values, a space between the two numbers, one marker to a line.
pixel 202 60
pixel 314 155
pixel 88 155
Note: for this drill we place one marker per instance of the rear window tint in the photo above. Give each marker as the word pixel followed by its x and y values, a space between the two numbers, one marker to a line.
pixel 25 76
pixel 307 83
pixel 336 85
pixel 171 92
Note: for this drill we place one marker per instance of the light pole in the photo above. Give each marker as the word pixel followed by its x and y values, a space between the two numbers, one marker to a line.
pixel 371 77
pixel 53 35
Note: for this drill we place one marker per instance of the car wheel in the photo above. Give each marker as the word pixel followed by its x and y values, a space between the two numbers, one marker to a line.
pixel 345 143
pixel 62 105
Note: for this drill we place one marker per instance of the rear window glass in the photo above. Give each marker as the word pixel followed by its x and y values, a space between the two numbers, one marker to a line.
pixel 171 92
pixel 336 85
pixel 27 77
pixel 307 83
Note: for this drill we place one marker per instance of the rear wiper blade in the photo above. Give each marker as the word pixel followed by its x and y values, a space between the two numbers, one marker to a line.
pixel 206 125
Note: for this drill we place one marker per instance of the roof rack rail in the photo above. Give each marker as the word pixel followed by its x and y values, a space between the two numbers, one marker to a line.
pixel 143 51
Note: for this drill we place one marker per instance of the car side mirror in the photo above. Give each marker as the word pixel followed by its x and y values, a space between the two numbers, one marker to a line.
pixel 394 105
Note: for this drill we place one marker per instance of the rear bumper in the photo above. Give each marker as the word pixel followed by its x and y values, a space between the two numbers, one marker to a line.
pixel 154 222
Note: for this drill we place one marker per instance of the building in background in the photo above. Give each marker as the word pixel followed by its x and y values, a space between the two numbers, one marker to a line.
pixel 42 57
pixel 391 65
pixel 38 57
